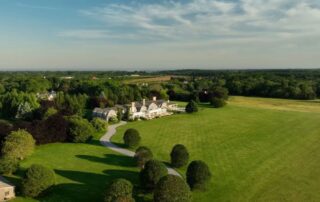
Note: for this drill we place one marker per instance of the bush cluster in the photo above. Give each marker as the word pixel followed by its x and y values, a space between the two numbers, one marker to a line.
pixel 37 180
pixel 80 130
pixel 99 124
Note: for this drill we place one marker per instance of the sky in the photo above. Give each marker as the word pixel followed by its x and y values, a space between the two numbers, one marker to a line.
pixel 158 35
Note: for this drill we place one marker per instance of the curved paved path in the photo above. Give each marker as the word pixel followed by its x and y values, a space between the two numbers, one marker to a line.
pixel 106 141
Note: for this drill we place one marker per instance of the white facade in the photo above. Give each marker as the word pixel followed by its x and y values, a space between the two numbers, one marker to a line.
pixel 151 109
pixel 6 190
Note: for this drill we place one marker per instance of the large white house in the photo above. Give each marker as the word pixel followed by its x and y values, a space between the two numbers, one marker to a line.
pixel 6 190
pixel 151 109
pixel 145 109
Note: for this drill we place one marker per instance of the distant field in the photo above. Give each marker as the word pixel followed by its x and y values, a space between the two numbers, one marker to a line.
pixel 258 149
pixel 155 79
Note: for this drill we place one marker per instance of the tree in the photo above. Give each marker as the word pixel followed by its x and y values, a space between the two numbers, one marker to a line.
pixel 131 138
pixel 191 107
pixel 99 124
pixel 49 112
pixel 142 155
pixel 172 188
pixel 37 180
pixel 217 102
pixel 80 130
pixel 220 92
pixel 18 145
pixel 179 156
pixel 198 175
pixel 8 165
pixel 152 172
pixel 119 190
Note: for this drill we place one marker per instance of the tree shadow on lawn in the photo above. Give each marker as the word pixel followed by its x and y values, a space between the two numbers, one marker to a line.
pixel 88 186
pixel 111 159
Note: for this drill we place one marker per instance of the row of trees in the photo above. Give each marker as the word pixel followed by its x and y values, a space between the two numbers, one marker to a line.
pixel 154 177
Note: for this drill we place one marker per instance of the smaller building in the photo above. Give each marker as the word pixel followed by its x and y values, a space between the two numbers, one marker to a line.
pixel 6 190
pixel 107 114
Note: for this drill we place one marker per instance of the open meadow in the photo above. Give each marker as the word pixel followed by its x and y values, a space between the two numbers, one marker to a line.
pixel 258 149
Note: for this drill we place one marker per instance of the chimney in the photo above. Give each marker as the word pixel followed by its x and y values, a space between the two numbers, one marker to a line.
pixel 154 98
pixel 144 102
pixel 133 104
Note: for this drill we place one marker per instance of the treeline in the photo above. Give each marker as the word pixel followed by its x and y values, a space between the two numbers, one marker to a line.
pixel 291 84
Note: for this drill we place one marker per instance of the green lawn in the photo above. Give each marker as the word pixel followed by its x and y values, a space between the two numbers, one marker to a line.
pixel 82 170
pixel 266 150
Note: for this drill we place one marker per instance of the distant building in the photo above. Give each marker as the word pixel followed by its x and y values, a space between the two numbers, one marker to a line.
pixel 6 190
pixel 105 113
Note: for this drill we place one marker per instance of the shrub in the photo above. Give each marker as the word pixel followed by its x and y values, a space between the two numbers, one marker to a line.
pixel 8 165
pixel 131 138
pixel 152 172
pixel 18 144
pixel 119 190
pixel 37 180
pixel 172 189
pixel 99 124
pixel 198 175
pixel 80 130
pixel 191 107
pixel 142 155
pixel 179 156
pixel 50 112
pixel 217 102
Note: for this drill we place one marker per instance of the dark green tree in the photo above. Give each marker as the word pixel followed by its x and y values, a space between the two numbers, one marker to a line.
pixel 142 155
pixel 152 172
pixel 191 107
pixel 80 130
pixel 198 175
pixel 119 190
pixel 37 180
pixel 172 188
pixel 179 156
pixel 131 138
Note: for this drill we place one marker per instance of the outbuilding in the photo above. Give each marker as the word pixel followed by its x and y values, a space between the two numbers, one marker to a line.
pixel 6 190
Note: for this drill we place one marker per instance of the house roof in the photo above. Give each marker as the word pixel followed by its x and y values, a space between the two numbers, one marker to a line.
pixel 4 183
pixel 103 110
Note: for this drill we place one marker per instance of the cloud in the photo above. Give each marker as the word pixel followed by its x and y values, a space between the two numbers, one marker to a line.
pixel 204 20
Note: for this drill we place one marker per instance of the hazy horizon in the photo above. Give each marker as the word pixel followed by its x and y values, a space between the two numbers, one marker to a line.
pixel 40 35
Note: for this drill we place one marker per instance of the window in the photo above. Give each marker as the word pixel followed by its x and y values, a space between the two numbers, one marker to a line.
pixel 7 193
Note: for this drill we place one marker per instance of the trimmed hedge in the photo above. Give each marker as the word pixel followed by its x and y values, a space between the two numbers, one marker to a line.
pixel 179 156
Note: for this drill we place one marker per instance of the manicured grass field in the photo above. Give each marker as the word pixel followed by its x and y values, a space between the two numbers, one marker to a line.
pixel 82 170
pixel 258 149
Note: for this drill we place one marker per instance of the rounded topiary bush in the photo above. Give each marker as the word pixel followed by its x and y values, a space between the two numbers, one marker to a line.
pixel 152 172
pixel 172 188
pixel 217 102
pixel 37 180
pixel 191 107
pixel 179 156
pixel 142 155
pixel 80 129
pixel 131 138
pixel 198 175
pixel 119 190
